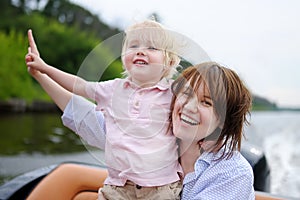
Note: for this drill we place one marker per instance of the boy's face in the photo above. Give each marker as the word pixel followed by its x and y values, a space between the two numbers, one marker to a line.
pixel 144 62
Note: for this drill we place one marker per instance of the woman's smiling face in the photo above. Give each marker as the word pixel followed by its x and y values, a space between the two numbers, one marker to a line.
pixel 193 115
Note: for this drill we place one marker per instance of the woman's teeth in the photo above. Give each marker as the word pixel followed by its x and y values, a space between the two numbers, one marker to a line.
pixel 188 120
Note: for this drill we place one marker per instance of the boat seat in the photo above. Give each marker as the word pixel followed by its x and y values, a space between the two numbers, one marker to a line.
pixel 266 196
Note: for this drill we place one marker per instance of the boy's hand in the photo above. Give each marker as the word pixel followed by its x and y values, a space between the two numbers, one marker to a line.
pixel 28 59
pixel 32 44
pixel 33 61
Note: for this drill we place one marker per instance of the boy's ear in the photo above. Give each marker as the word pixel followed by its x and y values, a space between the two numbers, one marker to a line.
pixel 172 63
pixel 175 61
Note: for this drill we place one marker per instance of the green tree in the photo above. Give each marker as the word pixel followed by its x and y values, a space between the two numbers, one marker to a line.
pixel 60 45
pixel 73 15
pixel 14 79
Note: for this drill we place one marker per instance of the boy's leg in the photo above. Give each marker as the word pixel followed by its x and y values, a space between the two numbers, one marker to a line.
pixel 169 191
pixel 68 180
pixel 112 192
pixel 133 191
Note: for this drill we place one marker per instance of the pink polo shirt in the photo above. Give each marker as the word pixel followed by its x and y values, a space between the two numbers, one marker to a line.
pixel 138 147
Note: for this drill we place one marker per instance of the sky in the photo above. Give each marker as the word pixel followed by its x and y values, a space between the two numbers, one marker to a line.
pixel 259 39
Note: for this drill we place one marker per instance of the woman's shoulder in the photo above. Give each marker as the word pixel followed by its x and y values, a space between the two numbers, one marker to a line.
pixel 231 168
pixel 234 162
pixel 238 164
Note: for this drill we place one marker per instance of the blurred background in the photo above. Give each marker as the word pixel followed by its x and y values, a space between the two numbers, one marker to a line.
pixel 258 39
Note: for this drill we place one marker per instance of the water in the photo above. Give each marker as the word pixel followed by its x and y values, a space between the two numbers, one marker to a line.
pixel 278 133
pixel 29 141
pixel 32 140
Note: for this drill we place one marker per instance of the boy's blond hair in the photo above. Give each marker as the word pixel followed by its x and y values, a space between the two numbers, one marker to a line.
pixel 161 38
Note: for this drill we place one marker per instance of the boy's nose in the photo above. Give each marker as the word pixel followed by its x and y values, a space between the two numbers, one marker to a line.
pixel 141 52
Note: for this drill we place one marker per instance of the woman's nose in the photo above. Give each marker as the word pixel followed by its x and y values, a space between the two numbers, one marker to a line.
pixel 192 104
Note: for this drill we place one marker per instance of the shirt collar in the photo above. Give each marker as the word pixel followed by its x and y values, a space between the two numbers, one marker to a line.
pixel 202 163
pixel 206 159
pixel 163 84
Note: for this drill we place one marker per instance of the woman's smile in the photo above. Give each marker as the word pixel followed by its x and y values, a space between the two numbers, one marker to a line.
pixel 189 120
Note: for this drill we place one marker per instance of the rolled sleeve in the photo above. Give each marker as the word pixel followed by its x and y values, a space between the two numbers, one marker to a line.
pixel 80 116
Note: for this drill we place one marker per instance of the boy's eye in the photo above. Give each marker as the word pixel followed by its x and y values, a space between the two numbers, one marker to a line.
pixel 133 46
pixel 152 48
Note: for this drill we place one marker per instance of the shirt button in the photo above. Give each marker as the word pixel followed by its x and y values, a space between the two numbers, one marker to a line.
pixel 138 186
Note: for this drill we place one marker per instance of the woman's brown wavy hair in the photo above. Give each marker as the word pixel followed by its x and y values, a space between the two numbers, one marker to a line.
pixel 231 101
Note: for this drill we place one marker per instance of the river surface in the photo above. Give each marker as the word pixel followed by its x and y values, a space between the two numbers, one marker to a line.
pixel 29 141
pixel 278 133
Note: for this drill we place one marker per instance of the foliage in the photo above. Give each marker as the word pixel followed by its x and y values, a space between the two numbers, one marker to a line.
pixel 260 103
pixel 74 15
pixel 14 79
pixel 61 43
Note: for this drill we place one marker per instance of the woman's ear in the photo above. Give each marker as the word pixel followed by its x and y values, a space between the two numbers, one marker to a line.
pixel 221 121
pixel 221 125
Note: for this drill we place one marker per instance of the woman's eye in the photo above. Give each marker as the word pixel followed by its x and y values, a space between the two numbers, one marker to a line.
pixel 206 103
pixel 186 93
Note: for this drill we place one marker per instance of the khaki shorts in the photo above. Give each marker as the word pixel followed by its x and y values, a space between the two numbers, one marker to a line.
pixel 133 191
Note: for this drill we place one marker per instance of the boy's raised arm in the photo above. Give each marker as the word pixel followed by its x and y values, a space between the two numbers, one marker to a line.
pixel 68 81
pixel 60 96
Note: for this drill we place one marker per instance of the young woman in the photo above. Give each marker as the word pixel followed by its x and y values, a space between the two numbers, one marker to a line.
pixel 208 110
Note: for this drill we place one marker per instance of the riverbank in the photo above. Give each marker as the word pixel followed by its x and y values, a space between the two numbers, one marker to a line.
pixel 21 106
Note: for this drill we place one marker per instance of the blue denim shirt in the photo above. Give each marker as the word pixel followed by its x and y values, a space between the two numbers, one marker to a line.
pixel 222 179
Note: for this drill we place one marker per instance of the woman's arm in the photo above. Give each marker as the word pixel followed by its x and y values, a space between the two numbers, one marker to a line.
pixel 81 116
